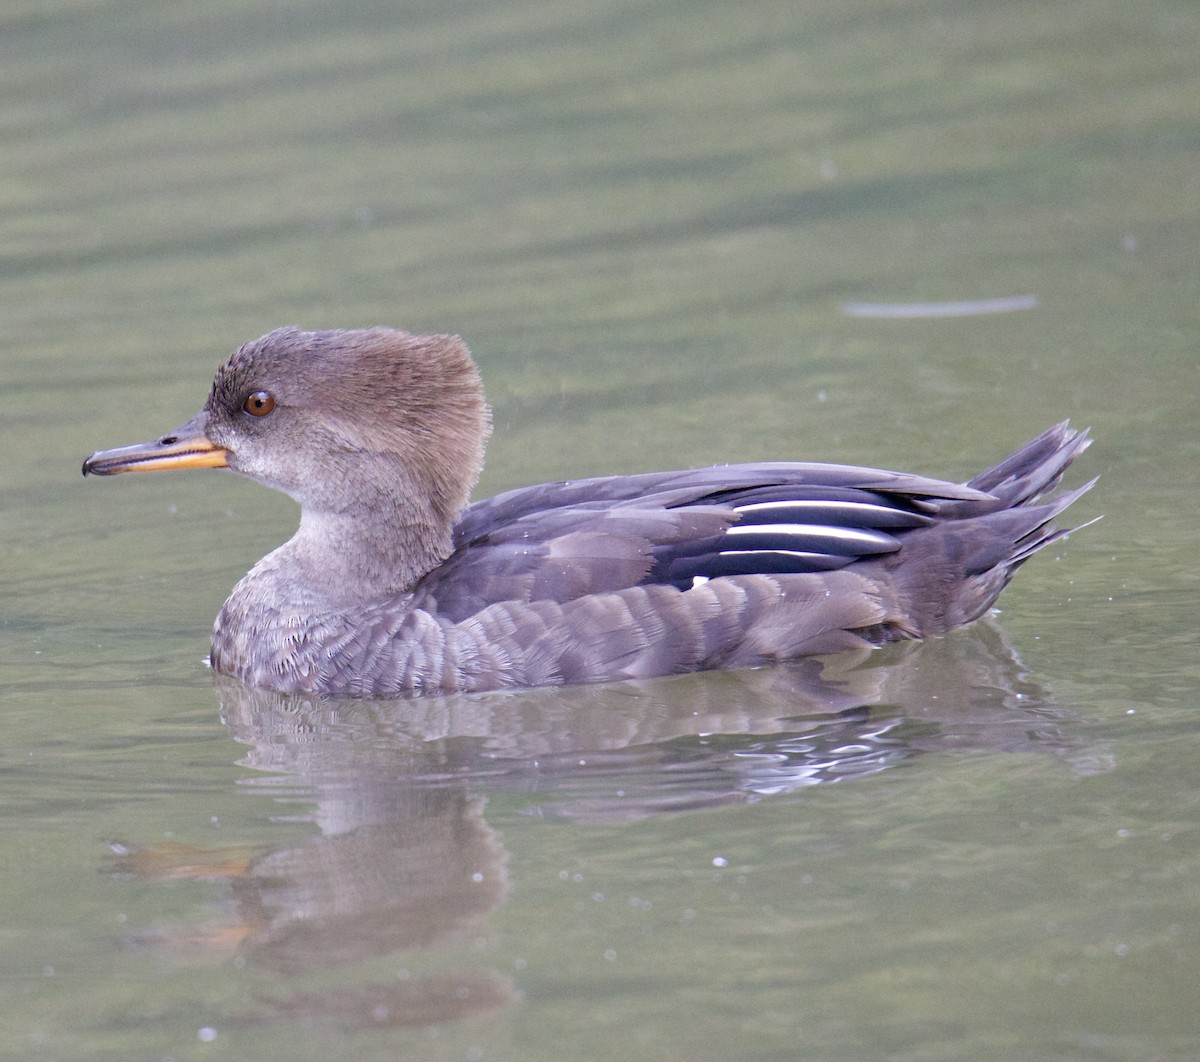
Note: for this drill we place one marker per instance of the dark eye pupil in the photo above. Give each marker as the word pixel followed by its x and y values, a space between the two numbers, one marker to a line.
pixel 259 403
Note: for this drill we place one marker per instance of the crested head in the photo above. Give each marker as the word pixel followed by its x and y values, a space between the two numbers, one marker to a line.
pixel 343 419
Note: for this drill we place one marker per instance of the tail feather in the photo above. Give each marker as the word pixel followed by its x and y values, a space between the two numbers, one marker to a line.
pixel 1034 469
pixel 952 572
pixel 1045 533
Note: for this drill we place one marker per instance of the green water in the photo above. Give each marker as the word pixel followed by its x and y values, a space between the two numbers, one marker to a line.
pixel 648 220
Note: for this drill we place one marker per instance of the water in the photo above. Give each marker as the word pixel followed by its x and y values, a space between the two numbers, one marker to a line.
pixel 652 223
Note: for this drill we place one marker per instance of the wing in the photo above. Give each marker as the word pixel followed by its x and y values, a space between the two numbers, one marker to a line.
pixel 558 542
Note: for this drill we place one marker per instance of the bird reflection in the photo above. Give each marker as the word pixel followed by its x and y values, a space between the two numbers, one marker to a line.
pixel 404 861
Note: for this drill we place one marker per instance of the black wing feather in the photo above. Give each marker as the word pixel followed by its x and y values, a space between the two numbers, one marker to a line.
pixel 562 541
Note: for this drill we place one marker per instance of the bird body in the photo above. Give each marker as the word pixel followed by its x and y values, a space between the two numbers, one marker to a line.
pixel 393 585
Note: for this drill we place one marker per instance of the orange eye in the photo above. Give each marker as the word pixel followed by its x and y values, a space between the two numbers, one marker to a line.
pixel 259 403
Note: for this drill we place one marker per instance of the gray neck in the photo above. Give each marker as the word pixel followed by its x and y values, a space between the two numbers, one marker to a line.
pixel 284 614
pixel 348 560
pixel 338 561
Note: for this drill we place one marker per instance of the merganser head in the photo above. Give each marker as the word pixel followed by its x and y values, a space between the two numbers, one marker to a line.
pixel 335 419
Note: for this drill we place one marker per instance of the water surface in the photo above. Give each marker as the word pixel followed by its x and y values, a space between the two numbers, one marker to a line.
pixel 649 221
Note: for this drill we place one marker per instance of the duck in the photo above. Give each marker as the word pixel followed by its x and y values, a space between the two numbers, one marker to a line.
pixel 395 585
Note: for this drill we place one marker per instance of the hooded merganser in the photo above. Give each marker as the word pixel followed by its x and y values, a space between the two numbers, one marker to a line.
pixel 393 584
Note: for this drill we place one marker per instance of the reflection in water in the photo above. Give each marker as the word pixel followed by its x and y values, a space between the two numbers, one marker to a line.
pixel 624 750
pixel 405 860
pixel 396 867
